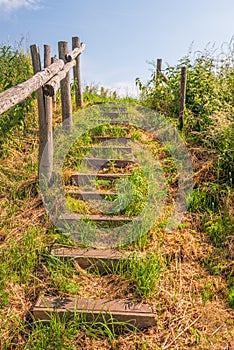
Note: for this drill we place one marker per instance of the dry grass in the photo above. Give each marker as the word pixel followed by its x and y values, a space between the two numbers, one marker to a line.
pixel 190 303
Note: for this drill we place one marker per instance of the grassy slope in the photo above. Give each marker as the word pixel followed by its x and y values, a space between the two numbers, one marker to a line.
pixel 189 294
pixel 190 299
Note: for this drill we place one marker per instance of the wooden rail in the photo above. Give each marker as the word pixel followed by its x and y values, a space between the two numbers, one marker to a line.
pixel 183 80
pixel 46 82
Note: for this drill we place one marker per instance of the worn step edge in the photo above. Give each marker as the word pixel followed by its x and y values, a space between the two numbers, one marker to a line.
pixel 103 260
pixel 83 177
pixel 110 121
pixel 90 195
pixel 103 162
pixel 114 114
pixel 123 149
pixel 98 218
pixel 138 315
pixel 121 140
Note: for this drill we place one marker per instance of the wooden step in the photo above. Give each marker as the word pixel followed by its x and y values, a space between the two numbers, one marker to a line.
pixel 118 149
pixel 85 179
pixel 97 218
pixel 103 260
pixel 111 121
pixel 114 114
pixel 101 163
pixel 90 195
pixel 121 140
pixel 137 315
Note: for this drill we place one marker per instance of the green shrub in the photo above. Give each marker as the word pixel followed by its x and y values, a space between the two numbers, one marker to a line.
pixel 15 68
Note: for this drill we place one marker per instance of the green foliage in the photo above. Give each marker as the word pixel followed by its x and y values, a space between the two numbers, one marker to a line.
pixel 94 94
pixel 207 292
pixel 209 104
pixel 143 272
pixel 62 274
pixel 231 297
pixel 15 68
pixel 218 228
pixel 17 263
pixel 67 334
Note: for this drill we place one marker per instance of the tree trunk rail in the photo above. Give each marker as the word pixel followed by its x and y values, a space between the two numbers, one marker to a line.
pixel 46 82
pixel 52 74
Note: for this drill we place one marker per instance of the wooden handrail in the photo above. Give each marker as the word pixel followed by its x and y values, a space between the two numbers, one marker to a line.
pixel 77 51
pixel 52 85
pixel 18 93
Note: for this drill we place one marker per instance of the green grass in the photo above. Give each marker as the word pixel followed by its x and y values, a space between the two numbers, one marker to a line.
pixel 161 275
pixel 66 334
pixel 143 272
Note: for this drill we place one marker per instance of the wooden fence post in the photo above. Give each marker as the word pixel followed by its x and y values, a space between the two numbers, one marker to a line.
pixel 36 62
pixel 65 88
pixel 48 162
pixel 54 96
pixel 182 96
pixel 159 65
pixel 76 74
pixel 159 72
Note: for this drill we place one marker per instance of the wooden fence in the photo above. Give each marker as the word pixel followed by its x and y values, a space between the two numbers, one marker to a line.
pixel 183 79
pixel 46 82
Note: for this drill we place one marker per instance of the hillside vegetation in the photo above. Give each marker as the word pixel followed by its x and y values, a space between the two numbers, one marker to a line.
pixel 187 275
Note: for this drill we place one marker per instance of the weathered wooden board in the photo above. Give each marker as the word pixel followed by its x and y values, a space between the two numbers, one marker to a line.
pixel 90 195
pixel 100 163
pixel 111 121
pixel 98 218
pixel 114 114
pixel 117 149
pixel 103 260
pixel 120 140
pixel 85 179
pixel 138 315
pixel 18 93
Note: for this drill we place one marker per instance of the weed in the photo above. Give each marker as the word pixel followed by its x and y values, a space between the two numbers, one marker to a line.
pixel 143 272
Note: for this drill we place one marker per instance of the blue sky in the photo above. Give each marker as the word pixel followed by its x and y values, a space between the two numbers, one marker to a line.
pixel 120 35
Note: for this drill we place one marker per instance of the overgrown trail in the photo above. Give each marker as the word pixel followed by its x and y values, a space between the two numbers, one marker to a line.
pixel 173 272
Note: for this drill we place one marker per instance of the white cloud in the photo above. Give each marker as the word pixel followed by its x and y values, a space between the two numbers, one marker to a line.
pixel 11 5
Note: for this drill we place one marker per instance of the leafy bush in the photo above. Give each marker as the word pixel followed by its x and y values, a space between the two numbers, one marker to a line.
pixel 15 68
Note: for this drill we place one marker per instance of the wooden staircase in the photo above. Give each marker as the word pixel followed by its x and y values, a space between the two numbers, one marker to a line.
pixel 136 314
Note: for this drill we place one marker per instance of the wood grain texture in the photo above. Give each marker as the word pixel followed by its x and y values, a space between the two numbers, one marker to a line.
pixel 77 46
pixel 43 135
pixel 18 93
pixel 83 178
pixel 105 261
pixel 96 218
pixel 47 165
pixel 52 85
pixel 90 195
pixel 65 88
pixel 100 163
pixel 139 315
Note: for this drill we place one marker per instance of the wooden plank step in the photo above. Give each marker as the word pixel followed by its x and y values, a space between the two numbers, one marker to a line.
pixel 101 163
pixel 98 149
pixel 86 179
pixel 121 140
pixel 97 218
pixel 103 260
pixel 90 195
pixel 111 121
pixel 138 315
pixel 114 114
